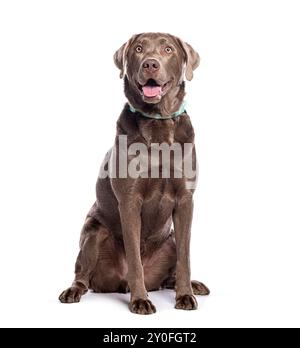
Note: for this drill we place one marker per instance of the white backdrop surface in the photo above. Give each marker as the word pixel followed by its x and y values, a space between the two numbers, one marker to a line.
pixel 60 97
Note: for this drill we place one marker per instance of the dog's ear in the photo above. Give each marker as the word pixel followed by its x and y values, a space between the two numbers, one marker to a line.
pixel 192 59
pixel 120 57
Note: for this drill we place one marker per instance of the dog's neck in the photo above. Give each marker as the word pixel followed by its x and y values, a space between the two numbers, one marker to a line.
pixel 169 104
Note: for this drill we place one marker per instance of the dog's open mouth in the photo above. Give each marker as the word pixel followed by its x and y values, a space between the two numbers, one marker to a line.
pixel 152 89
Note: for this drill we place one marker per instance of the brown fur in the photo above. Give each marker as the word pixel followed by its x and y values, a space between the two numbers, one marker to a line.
pixel 127 242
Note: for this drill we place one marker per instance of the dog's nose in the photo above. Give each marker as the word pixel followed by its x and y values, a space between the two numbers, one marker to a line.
pixel 151 65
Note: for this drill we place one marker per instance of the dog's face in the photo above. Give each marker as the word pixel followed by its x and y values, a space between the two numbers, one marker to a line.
pixel 156 63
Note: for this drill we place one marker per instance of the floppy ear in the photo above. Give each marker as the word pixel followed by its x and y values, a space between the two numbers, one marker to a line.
pixel 192 59
pixel 120 57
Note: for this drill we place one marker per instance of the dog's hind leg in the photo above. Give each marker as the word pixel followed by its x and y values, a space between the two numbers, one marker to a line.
pixel 159 265
pixel 86 261
pixel 169 252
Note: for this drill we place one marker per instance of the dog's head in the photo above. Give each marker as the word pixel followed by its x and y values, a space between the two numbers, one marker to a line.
pixel 154 66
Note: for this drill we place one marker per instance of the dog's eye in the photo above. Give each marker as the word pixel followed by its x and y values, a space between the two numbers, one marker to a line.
pixel 168 50
pixel 139 49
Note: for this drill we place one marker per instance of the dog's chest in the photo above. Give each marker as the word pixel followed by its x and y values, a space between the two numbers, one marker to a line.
pixel 157 132
pixel 158 205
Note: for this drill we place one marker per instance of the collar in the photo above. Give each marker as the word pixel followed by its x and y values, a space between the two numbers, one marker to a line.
pixel 159 116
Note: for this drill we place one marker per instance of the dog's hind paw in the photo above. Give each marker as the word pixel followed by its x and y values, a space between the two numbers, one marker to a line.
pixel 200 289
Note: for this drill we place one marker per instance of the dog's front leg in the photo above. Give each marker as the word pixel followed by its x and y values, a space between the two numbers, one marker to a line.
pixel 182 218
pixel 130 212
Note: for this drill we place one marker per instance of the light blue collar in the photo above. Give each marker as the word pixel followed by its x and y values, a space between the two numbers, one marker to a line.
pixel 159 116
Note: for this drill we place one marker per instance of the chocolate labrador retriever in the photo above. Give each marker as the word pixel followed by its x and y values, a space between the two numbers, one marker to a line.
pixel 127 242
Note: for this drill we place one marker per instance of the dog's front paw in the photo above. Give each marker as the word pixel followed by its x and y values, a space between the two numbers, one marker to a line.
pixel 200 289
pixel 71 295
pixel 142 307
pixel 186 302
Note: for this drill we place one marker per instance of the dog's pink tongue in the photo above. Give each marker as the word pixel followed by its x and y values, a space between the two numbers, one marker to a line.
pixel 151 92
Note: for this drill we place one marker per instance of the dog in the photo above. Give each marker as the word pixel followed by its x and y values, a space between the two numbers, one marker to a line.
pixel 128 242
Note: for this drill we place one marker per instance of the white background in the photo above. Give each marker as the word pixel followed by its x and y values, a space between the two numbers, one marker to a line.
pixel 60 97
